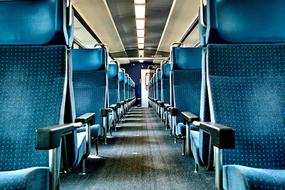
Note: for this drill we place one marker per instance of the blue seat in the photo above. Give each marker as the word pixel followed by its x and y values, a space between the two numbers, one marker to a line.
pixel 32 82
pixel 121 75
pixel 186 82
pixel 165 91
pixel 113 93
pixel 89 86
pixel 245 70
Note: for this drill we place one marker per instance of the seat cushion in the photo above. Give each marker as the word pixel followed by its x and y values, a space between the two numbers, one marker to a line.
pixel 30 178
pixel 97 131
pixel 194 137
pixel 242 177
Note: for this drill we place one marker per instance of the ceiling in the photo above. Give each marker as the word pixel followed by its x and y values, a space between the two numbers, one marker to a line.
pixel 113 21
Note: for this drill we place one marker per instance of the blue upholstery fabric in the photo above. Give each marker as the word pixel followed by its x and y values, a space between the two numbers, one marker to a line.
pixel 31 178
pixel 89 92
pixel 89 81
pixel 244 26
pixel 88 59
pixel 32 86
pixel 187 94
pixel 113 70
pixel 238 177
pixel 36 22
pixel 121 76
pixel 247 87
pixel 113 83
pixel 122 93
pixel 97 131
pixel 113 91
pixel 165 69
pixel 186 58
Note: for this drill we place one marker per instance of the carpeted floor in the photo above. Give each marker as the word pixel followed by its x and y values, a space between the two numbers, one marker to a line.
pixel 141 155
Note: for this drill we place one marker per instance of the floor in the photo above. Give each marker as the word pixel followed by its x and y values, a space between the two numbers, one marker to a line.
pixel 140 155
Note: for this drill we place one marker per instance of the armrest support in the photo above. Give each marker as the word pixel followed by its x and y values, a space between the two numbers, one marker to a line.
pixel 105 112
pixel 173 111
pixel 50 137
pixel 222 136
pixel 88 118
pixel 190 117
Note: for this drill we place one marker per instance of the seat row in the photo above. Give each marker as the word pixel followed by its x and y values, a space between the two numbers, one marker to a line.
pixel 51 93
pixel 225 99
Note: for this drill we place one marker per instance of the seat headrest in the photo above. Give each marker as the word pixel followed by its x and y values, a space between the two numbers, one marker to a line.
pixel 186 58
pixel 88 59
pixel 112 69
pixel 121 75
pixel 240 21
pixel 165 70
pixel 34 22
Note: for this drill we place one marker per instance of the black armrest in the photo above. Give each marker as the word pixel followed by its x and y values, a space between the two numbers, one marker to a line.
pixel 190 117
pixel 122 102
pixel 173 111
pixel 158 102
pixel 105 112
pixel 86 118
pixel 118 105
pixel 113 106
pixel 50 137
pixel 222 137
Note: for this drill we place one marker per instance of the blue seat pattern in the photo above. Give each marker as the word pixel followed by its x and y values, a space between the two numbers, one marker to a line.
pixel 113 83
pixel 187 67
pixel 31 98
pixel 89 82
pixel 248 87
pixel 165 82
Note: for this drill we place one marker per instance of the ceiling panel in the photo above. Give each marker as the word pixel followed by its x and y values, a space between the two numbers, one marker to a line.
pixel 124 17
pixel 97 15
pixel 183 13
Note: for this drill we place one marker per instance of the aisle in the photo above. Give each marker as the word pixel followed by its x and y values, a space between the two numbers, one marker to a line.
pixel 141 155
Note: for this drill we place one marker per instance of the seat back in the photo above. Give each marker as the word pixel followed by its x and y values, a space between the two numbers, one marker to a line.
pixel 186 68
pixel 33 75
pixel 113 82
pixel 165 86
pixel 89 81
pixel 158 83
pixel 245 70
pixel 121 84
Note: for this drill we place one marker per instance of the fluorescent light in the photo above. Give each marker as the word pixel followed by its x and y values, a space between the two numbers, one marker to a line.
pixel 140 24
pixel 140 40
pixel 140 33
pixel 141 61
pixel 140 46
pixel 139 1
pixel 140 11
